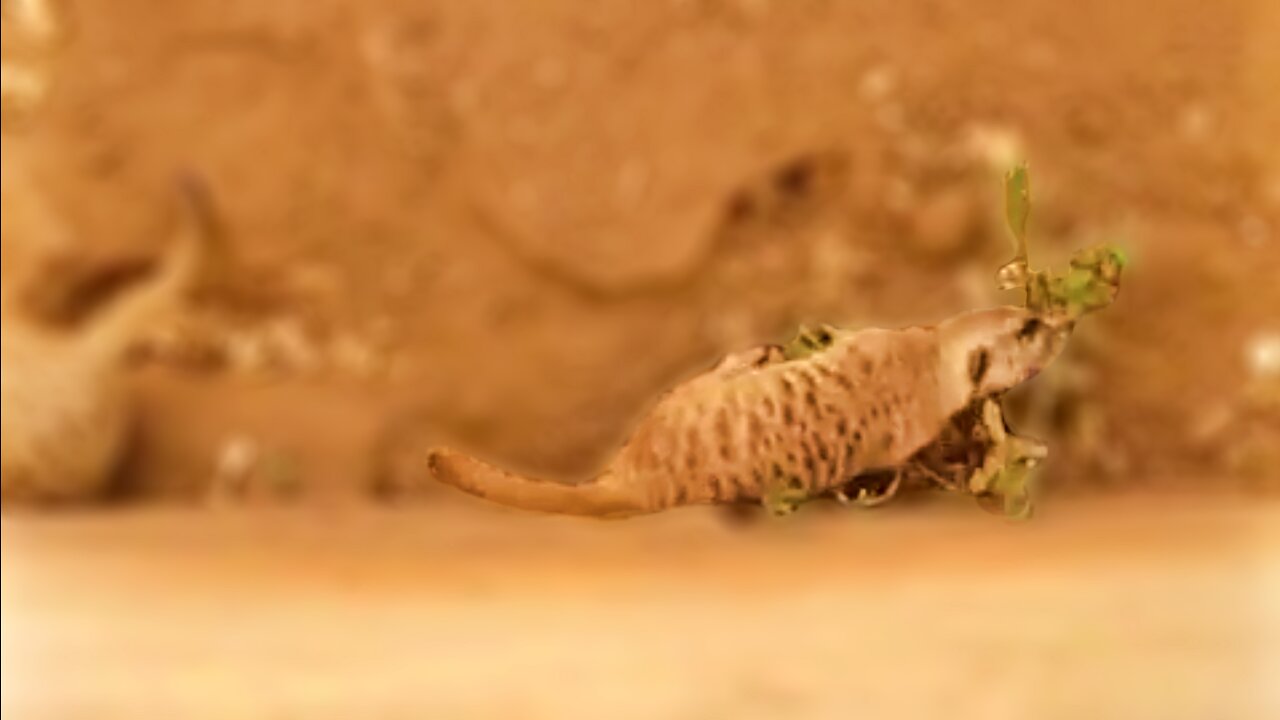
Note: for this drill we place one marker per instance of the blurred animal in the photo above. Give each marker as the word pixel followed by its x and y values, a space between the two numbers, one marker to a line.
pixel 780 425
pixel 64 409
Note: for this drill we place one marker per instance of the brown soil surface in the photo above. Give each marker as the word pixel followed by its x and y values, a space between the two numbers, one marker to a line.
pixel 1132 609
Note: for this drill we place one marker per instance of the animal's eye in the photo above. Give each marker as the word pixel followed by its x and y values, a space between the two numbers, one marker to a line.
pixel 1030 328
pixel 979 363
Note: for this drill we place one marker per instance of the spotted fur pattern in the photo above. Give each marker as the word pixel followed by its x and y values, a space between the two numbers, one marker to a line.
pixel 869 400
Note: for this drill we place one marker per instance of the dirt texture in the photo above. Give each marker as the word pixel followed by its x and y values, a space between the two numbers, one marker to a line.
pixel 1136 608
pixel 512 225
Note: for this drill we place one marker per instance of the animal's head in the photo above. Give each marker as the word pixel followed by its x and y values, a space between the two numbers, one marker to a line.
pixel 986 352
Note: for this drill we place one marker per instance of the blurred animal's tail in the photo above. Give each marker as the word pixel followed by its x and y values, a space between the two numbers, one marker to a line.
pixel 113 329
pixel 601 497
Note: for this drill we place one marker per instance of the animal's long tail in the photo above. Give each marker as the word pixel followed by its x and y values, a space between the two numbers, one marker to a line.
pixel 111 332
pixel 601 497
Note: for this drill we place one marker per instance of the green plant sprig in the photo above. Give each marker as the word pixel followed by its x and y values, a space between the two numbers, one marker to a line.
pixel 1091 281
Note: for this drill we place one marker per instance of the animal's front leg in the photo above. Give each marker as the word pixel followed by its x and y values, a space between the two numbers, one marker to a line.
pixel 1006 472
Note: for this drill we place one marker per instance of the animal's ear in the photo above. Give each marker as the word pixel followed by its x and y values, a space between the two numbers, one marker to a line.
pixel 979 363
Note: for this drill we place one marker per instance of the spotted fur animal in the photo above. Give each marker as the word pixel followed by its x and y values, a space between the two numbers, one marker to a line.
pixel 64 410
pixel 766 421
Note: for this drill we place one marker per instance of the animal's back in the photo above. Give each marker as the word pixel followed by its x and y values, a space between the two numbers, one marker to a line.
pixel 809 424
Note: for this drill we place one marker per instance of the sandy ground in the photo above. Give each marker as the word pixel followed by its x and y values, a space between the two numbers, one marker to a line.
pixel 1133 609
pixel 514 223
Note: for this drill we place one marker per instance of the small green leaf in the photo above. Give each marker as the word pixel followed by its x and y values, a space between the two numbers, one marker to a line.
pixel 1014 486
pixel 1120 255
pixel 808 341
pixel 1017 206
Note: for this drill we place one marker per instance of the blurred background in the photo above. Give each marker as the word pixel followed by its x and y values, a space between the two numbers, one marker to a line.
pixel 507 226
